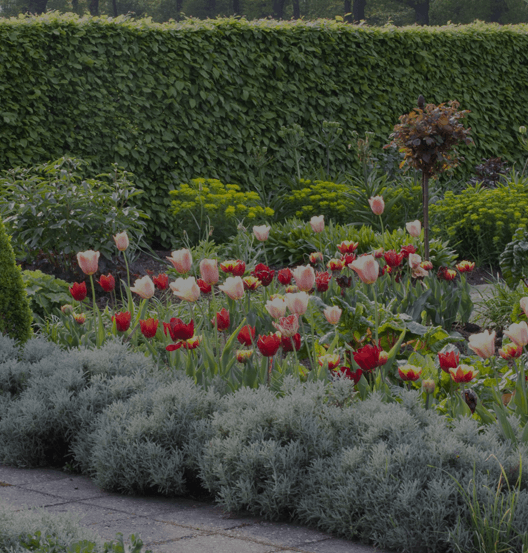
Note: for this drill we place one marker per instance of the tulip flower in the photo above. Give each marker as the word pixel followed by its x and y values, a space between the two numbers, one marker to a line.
pixel 79 291
pixel 107 283
pixel 336 265
pixel 174 347
pixel 149 327
pixel 332 359
pixel 291 289
pixel 317 223
pixel 347 247
pixel 426 265
pixel 88 262
pixel 304 277
pixel 322 281
pixel 161 281
pixel 178 330
pixel 414 228
pixel 80 318
pixel 518 333
pixel 261 232
pixel 186 289
pixel 233 287
pixel 393 258
pixel 122 321
pixel 67 309
pixel 284 276
pixel 465 266
pixel 333 314
pixel 244 355
pixel 204 287
pixel 236 268
pixel 297 303
pixel 483 344
pixel 181 260
pixel 121 241
pixel 510 351
pixel 446 274
pixel 367 268
pixel 377 205
pixel 428 385
pixel 287 326
pixel 409 373
pixel 289 343
pixel 407 250
pixel 144 287
pixel 348 258
pixel 269 344
pixel 209 271
pixel 350 374
pixel 263 273
pixel 524 305
pixel 246 336
pixel 316 257
pixel 448 360
pixel 251 283
pixel 222 320
pixel 414 261
pixel 463 374
pixel 368 357
pixel 191 343
pixel 276 307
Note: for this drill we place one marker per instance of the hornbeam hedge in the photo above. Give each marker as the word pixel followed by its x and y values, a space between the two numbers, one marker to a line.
pixel 175 101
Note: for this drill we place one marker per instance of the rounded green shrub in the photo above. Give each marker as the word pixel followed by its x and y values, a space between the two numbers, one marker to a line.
pixel 15 315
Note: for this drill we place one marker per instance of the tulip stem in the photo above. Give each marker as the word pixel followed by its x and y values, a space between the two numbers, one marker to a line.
pixel 376 314
pixel 127 268
pixel 307 348
pixel 382 230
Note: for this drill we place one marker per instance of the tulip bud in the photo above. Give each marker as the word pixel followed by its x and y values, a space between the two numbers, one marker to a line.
pixel 383 358
pixel 243 355
pixel 67 309
pixel 428 385
pixel 522 129
pixel 80 318
pixel 121 241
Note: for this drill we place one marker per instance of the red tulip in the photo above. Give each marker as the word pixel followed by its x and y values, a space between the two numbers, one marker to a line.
pixel 107 283
pixel 448 360
pixel 149 327
pixel 348 247
pixel 161 281
pixel 204 287
pixel 78 291
pixel 446 274
pixel 284 276
pixel 406 250
pixel 288 343
pixel 246 335
pixel 409 373
pixel 263 273
pixel 222 320
pixel 350 374
pixel 122 320
pixel 191 343
pixel 80 318
pixel 174 347
pixel 269 344
pixel 322 280
pixel 236 268
pixel 336 265
pixel 348 258
pixel 178 330
pixel 463 374
pixel 392 258
pixel 368 357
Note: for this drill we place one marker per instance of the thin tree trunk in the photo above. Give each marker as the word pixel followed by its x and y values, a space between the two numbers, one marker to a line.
pixel 179 6
pixel 359 10
pixel 236 7
pixel 498 9
pixel 75 5
pixel 37 6
pixel 422 12
pixel 296 9
pixel 278 9
pixel 348 11
pixel 94 7
pixel 211 8
pixel 114 6
pixel 425 193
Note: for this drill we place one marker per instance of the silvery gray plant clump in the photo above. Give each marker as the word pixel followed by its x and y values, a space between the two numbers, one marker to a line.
pixel 148 443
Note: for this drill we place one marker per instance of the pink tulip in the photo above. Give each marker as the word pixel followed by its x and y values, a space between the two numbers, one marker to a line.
pixel 144 287
pixel 524 305
pixel 333 314
pixel 483 344
pixel 414 261
pixel 518 333
pixel 414 228
pixel 233 287
pixel 121 241
pixel 317 223
pixel 367 268
pixel 88 262
pixel 304 277
pixel 186 289
pixel 288 326
pixel 181 260
pixel 261 233
pixel 209 271
pixel 276 307
pixel 297 303
pixel 377 205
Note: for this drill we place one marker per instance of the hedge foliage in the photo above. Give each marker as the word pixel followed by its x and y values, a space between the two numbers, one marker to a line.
pixel 381 472
pixel 176 101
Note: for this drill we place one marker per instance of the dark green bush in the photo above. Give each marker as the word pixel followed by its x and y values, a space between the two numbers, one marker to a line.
pixel 177 101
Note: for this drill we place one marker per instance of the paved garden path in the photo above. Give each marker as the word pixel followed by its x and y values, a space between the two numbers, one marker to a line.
pixel 165 525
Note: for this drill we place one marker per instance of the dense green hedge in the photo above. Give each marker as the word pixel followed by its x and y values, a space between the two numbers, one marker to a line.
pixel 173 102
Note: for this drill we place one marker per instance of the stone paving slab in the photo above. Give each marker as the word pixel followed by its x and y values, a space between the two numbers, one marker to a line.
pixel 166 525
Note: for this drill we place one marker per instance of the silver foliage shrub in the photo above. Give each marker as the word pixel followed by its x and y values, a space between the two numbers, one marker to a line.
pixel 147 444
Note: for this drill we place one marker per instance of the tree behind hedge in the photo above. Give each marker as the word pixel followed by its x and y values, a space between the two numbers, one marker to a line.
pixel 15 315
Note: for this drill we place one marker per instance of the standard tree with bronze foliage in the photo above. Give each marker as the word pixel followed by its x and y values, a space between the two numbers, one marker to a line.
pixel 15 315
